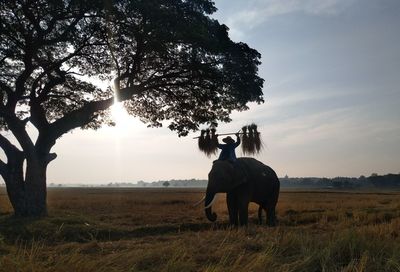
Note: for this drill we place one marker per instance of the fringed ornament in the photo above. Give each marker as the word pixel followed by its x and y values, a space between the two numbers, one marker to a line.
pixel 251 140
pixel 201 140
pixel 250 136
pixel 208 141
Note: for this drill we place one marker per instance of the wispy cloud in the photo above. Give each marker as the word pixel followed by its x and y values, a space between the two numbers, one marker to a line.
pixel 282 104
pixel 341 125
pixel 256 12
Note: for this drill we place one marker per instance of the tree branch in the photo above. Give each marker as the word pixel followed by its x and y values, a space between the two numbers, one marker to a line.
pixel 17 127
pixel 3 169
pixel 7 146
pixel 5 88
pixel 12 153
pixel 84 115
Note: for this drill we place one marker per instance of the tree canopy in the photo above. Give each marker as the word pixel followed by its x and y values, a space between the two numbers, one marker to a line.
pixel 169 61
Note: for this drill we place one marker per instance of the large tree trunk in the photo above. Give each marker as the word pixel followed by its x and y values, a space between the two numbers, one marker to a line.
pixel 35 188
pixel 27 191
pixel 27 197
pixel 14 179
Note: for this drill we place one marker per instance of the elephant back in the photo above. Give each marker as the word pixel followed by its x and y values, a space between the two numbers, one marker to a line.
pixel 256 169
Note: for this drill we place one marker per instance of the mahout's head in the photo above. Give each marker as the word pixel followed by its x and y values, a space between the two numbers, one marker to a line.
pixel 228 140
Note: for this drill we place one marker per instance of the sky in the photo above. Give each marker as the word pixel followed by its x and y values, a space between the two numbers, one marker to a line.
pixel 332 77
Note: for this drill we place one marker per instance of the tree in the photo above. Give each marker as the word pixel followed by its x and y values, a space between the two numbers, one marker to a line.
pixel 165 184
pixel 167 59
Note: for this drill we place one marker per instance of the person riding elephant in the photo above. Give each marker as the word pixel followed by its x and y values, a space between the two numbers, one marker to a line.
pixel 228 154
pixel 260 186
pixel 228 149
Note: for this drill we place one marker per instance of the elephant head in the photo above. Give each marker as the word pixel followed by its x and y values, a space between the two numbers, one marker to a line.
pixel 221 179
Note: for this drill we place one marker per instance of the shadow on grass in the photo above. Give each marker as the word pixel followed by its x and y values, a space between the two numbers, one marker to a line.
pixel 75 228
pixel 72 228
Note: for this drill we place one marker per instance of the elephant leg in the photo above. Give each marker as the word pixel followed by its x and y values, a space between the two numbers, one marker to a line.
pixel 260 211
pixel 243 213
pixel 271 216
pixel 232 209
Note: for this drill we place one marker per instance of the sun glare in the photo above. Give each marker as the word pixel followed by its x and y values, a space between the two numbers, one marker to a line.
pixel 120 116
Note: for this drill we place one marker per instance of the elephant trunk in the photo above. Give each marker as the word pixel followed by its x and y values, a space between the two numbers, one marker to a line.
pixel 210 197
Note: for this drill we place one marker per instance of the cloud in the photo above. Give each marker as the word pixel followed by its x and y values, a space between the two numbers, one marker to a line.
pixel 250 14
pixel 346 125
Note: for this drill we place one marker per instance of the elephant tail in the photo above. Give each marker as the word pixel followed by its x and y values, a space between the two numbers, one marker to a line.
pixel 276 189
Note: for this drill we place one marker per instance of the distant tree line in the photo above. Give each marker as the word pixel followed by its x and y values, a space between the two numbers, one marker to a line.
pixel 162 183
pixel 373 181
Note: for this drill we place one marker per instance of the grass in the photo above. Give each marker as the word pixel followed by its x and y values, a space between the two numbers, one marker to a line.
pixel 159 230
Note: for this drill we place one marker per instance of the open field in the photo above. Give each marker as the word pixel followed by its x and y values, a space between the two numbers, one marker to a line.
pixel 158 230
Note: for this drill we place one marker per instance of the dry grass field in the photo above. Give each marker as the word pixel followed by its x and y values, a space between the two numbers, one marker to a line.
pixel 158 230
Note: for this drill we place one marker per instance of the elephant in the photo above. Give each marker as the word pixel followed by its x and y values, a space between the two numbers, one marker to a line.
pixel 247 180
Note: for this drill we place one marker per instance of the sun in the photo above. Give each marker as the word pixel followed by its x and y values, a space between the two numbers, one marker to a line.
pixel 125 124
pixel 120 116
pixel 118 112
